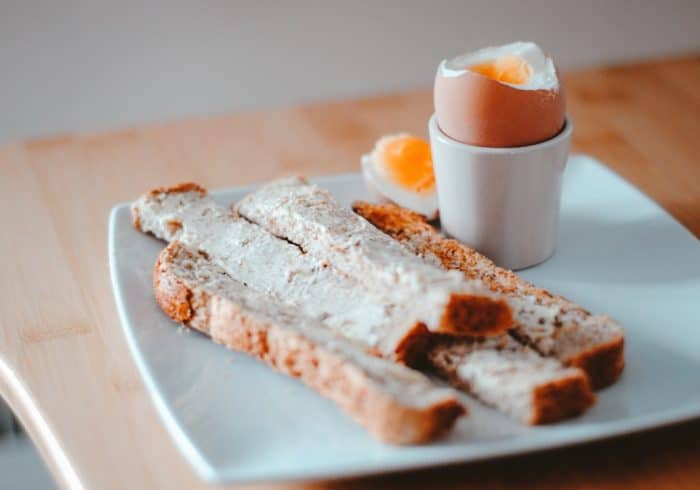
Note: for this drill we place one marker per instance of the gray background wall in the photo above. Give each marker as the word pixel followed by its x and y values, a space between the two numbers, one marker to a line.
pixel 93 65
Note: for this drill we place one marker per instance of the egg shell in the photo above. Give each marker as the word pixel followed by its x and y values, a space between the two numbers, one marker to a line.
pixel 479 111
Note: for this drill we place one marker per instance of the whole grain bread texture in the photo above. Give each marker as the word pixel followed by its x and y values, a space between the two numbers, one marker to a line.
pixel 394 403
pixel 551 324
pixel 513 378
pixel 266 263
pixel 310 217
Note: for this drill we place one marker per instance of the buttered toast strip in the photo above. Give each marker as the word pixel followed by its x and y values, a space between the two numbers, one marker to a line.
pixel 253 256
pixel 267 264
pixel 553 325
pixel 394 403
pixel 513 378
pixel 310 217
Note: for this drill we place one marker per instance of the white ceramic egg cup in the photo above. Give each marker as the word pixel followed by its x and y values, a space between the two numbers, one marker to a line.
pixel 503 202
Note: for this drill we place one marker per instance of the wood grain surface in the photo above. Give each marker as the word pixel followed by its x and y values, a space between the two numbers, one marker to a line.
pixel 64 365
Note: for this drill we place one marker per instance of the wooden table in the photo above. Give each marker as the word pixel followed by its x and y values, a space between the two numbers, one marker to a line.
pixel 64 365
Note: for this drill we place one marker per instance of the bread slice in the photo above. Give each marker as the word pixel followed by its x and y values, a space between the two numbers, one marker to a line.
pixel 253 256
pixel 394 403
pixel 552 325
pixel 313 219
pixel 267 264
pixel 513 378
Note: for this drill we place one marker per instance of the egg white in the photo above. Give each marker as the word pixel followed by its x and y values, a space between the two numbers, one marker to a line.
pixel 543 77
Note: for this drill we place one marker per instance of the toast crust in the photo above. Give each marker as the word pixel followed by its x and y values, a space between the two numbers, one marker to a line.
pixel 177 188
pixel 173 297
pixel 293 354
pixel 475 316
pixel 603 363
pixel 153 193
pixel 561 399
pixel 412 348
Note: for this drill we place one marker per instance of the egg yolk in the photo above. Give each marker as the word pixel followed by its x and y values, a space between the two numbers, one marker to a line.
pixel 508 69
pixel 410 163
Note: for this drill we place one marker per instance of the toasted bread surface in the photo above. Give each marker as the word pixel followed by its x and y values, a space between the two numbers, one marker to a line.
pixel 549 323
pixel 394 403
pixel 186 212
pixel 513 378
pixel 253 255
pixel 312 218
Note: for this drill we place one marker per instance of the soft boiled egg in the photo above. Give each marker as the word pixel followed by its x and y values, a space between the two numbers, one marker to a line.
pixel 503 96
pixel 400 169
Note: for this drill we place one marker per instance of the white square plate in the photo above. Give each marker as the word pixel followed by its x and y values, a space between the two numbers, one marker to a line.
pixel 236 420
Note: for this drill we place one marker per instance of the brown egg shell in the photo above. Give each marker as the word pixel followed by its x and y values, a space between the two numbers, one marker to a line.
pixel 479 111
